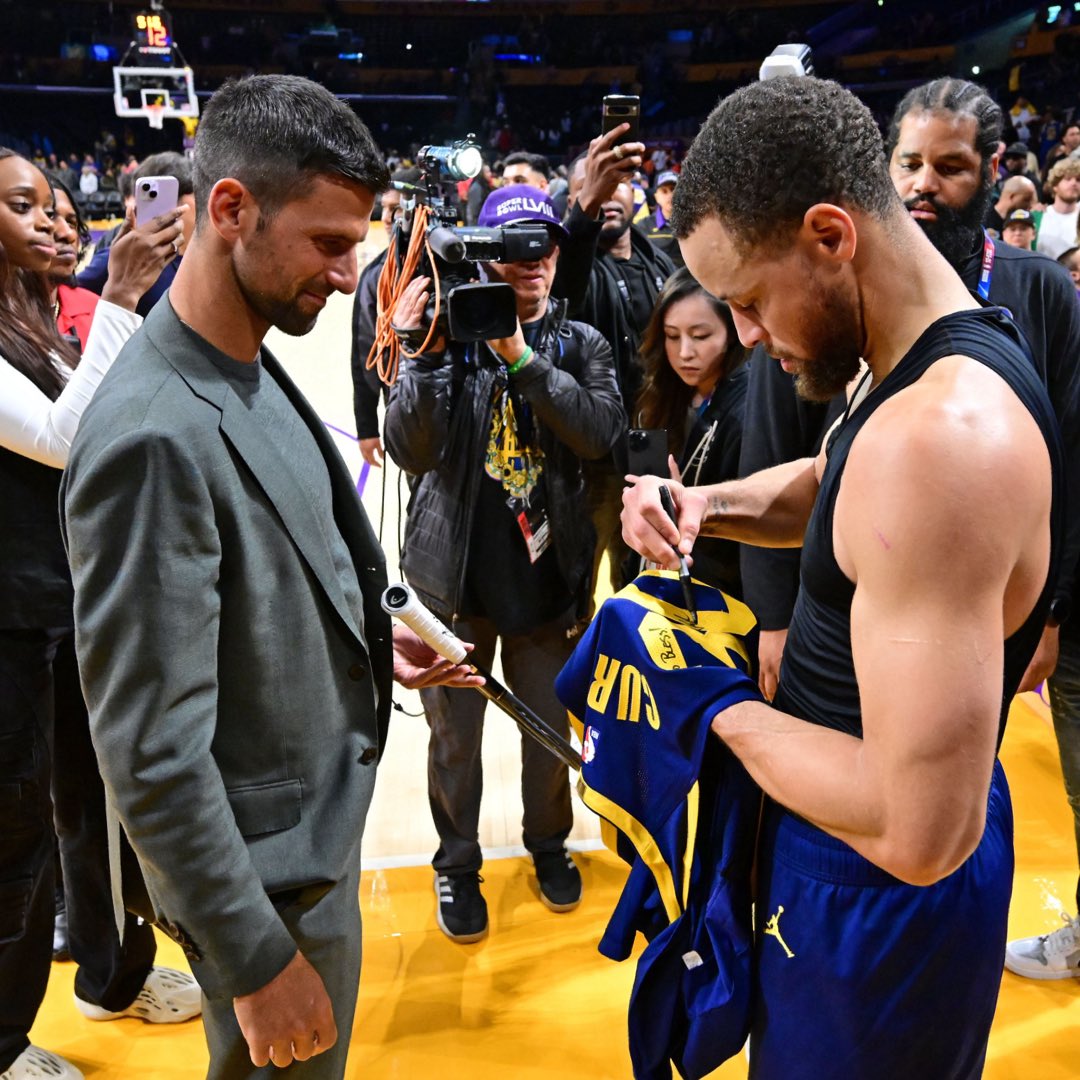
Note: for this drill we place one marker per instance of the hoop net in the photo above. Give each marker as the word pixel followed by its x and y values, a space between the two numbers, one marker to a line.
pixel 155 114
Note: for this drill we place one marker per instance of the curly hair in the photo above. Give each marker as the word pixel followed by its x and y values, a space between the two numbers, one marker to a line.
pixel 952 97
pixel 1065 167
pixel 664 397
pixel 773 149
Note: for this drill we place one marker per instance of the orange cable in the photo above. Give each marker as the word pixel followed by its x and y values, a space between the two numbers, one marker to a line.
pixel 386 350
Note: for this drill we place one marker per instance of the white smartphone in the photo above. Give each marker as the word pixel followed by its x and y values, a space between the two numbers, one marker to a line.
pixel 155 195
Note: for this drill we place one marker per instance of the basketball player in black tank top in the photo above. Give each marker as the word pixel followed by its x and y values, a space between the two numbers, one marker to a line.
pixel 886 861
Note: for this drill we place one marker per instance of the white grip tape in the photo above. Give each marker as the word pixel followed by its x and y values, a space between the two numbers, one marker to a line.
pixel 401 602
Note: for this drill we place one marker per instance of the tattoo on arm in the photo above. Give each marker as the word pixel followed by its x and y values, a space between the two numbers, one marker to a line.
pixel 718 505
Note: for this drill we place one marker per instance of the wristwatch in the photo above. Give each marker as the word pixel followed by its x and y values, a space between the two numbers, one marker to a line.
pixel 1060 610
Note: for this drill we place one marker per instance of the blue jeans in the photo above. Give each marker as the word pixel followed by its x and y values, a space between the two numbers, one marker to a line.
pixel 1065 706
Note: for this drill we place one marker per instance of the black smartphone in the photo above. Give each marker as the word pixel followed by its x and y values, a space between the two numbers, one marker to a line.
pixel 647 452
pixel 622 109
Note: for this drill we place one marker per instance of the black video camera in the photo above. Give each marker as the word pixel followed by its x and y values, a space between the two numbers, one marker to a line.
pixel 472 310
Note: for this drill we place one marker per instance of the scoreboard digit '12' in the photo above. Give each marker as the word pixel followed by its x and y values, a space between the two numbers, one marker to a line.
pixel 152 30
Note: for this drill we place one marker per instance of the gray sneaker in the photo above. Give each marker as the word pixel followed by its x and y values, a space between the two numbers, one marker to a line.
pixel 1051 956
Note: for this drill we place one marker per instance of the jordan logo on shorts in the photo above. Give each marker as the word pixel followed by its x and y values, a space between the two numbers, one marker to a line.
pixel 772 929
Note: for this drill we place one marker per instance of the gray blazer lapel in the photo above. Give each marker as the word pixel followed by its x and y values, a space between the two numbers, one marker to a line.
pixel 292 505
pixel 181 348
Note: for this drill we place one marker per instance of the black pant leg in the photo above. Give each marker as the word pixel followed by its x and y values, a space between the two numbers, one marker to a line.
pixel 109 975
pixel 27 900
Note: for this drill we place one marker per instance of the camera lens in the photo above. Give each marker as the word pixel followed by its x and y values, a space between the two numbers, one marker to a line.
pixel 151 193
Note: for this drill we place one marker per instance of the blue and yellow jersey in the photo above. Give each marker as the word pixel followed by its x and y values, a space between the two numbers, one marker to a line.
pixel 642 688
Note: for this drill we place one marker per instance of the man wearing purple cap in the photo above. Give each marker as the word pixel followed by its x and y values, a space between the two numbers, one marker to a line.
pixel 657 224
pixel 498 541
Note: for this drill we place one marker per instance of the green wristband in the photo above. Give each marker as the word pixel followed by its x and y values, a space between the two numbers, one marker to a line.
pixel 521 361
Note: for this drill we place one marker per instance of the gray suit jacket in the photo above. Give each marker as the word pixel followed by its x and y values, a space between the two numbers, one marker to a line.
pixel 237 704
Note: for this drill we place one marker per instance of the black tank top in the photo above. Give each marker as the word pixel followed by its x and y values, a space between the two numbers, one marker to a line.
pixel 817 677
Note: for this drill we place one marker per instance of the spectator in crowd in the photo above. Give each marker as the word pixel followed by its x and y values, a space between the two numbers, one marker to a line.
pixel 367 386
pixel 1058 224
pixel 1014 162
pixel 1071 261
pixel 1018 230
pixel 74 307
pixel 239 749
pixel 88 178
pixel 1017 193
pixel 1070 143
pixel 657 225
pixel 695 389
pixel 498 542
pixel 169 163
pixel 44 388
pixel 522 167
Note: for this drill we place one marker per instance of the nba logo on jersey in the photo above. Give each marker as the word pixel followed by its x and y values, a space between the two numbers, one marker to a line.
pixel 588 747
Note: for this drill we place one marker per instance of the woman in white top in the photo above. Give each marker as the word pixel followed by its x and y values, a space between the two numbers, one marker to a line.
pixel 44 388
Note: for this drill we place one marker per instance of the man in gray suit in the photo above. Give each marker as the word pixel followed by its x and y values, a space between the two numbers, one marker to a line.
pixel 236 662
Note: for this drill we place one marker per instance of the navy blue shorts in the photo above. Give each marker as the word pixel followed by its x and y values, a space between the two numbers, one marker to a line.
pixel 862 976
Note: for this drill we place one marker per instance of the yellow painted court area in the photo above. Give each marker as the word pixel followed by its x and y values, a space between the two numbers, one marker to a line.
pixel 536 999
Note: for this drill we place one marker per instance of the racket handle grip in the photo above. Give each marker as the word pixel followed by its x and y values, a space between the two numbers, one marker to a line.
pixel 402 603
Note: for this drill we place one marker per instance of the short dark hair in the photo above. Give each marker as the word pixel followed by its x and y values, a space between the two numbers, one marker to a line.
pixel 773 149
pixel 168 163
pixel 274 133
pixel 537 162
pixel 410 175
pixel 956 97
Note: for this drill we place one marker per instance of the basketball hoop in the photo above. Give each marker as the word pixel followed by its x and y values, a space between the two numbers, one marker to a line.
pixel 156 115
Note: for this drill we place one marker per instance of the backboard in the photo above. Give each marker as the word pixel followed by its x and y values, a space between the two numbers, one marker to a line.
pixel 137 89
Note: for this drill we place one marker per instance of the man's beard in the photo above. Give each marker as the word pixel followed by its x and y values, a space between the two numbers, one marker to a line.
pixel 278 311
pixel 610 233
pixel 956 231
pixel 836 352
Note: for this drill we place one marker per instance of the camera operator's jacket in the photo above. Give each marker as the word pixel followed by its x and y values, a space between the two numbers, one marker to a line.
pixel 437 423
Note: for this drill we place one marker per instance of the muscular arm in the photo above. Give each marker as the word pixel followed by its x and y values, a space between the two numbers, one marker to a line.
pixel 941 578
pixel 770 508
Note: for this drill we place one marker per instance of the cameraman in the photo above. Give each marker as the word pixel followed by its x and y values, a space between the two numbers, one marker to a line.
pixel 498 541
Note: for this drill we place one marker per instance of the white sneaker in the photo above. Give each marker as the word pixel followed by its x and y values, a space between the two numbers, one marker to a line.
pixel 167 997
pixel 1051 956
pixel 37 1064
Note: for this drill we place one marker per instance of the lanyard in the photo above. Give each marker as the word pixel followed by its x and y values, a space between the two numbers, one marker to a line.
pixel 987 271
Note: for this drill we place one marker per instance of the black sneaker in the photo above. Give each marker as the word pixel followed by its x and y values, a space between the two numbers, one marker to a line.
pixel 559 879
pixel 461 911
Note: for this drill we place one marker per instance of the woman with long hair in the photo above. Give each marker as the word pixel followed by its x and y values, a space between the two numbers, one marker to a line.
pixel 44 388
pixel 694 387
